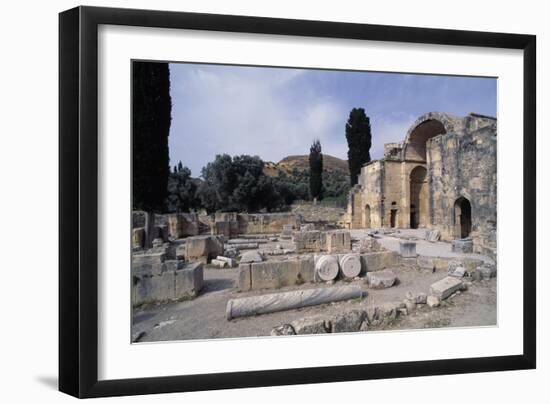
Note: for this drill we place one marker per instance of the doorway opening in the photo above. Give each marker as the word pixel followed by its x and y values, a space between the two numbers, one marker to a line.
pixel 463 217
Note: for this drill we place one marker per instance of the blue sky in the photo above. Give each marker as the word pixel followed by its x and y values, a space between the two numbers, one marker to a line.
pixel 276 112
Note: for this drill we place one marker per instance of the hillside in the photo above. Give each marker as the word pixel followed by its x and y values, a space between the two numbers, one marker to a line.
pixel 301 163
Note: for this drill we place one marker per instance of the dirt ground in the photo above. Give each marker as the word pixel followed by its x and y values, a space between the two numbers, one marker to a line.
pixel 204 316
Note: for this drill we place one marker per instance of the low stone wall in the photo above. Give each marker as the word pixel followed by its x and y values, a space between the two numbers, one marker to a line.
pixel 176 281
pixel 182 225
pixel 276 274
pixel 232 223
pixel 280 273
pixel 377 261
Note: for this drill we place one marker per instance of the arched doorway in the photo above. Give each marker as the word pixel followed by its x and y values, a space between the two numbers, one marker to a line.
pixel 393 214
pixel 462 217
pixel 366 217
pixel 419 197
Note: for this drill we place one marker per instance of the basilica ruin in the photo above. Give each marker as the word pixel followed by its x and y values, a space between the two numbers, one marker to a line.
pixel 419 231
pixel 442 176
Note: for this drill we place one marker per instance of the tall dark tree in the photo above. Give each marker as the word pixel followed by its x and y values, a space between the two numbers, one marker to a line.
pixel 151 117
pixel 358 135
pixel 316 170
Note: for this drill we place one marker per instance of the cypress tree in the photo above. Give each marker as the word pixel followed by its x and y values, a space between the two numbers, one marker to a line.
pixel 151 117
pixel 315 170
pixel 358 135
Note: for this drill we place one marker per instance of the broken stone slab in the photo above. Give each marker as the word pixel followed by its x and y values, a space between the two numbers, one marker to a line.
pixel 348 321
pixel 445 287
pixel 459 272
pixel 281 273
pixel 307 227
pixel 251 256
pixel 433 235
pixel 381 279
pixel 311 325
pixel 219 263
pixel 285 329
pixel 350 265
pixel 230 261
pixel 462 246
pixel 433 301
pixel 326 268
pixel 407 248
pixel 274 302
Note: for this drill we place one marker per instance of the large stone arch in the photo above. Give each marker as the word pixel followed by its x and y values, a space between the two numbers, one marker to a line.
pixel 424 128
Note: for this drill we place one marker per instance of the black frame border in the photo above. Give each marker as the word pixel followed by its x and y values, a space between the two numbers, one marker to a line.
pixel 78 207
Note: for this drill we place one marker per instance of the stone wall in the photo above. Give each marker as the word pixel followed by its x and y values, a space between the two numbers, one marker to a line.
pixel 464 166
pixel 276 274
pixel 232 223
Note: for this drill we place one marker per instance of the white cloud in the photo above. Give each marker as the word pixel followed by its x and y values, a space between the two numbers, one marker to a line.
pixel 247 111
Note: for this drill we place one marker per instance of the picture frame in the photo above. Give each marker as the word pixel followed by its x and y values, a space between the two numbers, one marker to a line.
pixel 79 166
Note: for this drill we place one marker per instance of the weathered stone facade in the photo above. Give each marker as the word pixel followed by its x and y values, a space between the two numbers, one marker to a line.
pixel 443 176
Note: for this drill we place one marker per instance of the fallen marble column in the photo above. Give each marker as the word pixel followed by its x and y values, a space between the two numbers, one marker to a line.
pixel 244 246
pixel 350 265
pixel 326 268
pixel 274 302
pixel 243 240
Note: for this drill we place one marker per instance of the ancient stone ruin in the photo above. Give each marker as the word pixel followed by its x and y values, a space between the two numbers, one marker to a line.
pixel 441 177
pixel 420 225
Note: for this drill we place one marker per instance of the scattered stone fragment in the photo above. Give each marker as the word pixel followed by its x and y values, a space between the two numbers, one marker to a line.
pixel 364 326
pixel 311 325
pixel 348 321
pixel 285 329
pixel 410 306
pixel 459 272
pixel 445 287
pixel 488 271
pixel 229 261
pixel 433 301
pixel 387 311
pixel 418 298
pixel 433 235
pixel 381 279
pixel 219 263
pixel 231 253
pixel 251 256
